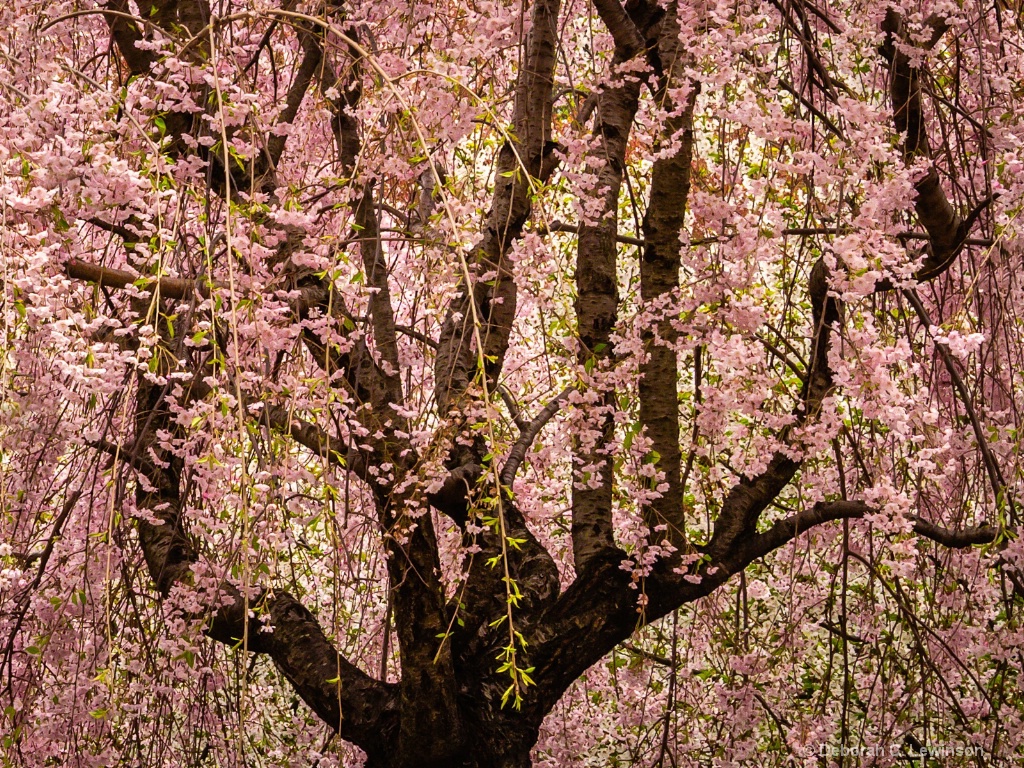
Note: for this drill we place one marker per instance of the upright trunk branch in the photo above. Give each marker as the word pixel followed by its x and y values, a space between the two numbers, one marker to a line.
pixel 664 222
pixel 428 694
pixel 528 155
pixel 597 310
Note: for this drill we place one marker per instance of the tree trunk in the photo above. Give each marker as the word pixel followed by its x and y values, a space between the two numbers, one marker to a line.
pixel 502 743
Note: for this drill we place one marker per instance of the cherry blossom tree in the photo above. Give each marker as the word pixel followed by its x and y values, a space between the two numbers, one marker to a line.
pixel 497 384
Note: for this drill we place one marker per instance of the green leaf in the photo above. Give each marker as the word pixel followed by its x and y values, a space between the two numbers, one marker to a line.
pixel 59 222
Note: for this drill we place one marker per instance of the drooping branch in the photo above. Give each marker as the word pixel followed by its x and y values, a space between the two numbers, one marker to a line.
pixel 599 601
pixel 947 233
pixel 599 610
pixel 375 386
pixel 995 474
pixel 369 382
pixel 364 711
pixel 192 20
pixel 24 600
pixel 737 521
pixel 316 440
pixel 361 709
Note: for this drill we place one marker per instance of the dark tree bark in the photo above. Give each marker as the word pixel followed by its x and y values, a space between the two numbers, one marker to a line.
pixel 664 225
pixel 597 295
pixel 448 708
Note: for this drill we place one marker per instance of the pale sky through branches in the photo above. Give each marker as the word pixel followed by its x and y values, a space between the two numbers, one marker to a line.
pixel 492 384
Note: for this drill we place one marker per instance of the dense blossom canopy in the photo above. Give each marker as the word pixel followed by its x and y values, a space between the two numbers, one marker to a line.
pixel 478 383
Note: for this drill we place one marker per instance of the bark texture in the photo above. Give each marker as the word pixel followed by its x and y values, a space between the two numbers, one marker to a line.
pixel 447 710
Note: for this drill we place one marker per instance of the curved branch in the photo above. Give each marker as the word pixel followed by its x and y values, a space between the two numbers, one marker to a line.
pixel 518 452
pixel 947 233
pixel 956 539
pixel 628 39
pixel 513 407
pixel 737 522
pixel 786 530
pixel 946 230
pixel 361 709
pixel 453 498
pixel 995 474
